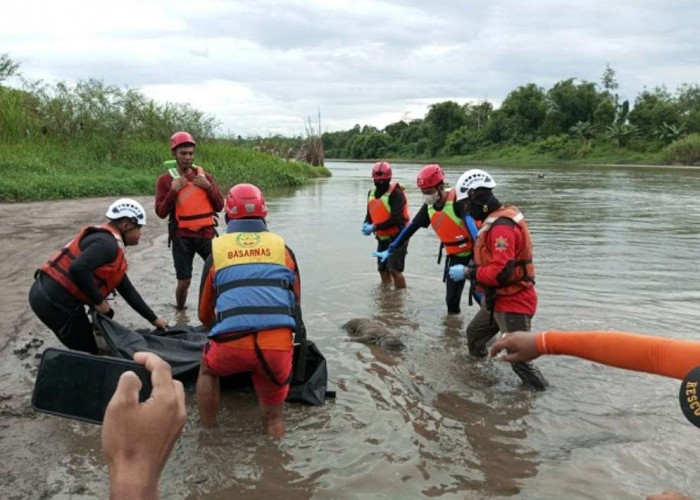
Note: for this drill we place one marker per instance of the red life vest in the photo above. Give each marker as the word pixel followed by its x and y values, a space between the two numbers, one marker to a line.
pixel 107 277
pixel 451 230
pixel 523 274
pixel 193 209
pixel 380 211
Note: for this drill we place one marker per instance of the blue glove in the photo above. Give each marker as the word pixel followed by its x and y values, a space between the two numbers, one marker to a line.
pixel 367 228
pixel 457 272
pixel 382 255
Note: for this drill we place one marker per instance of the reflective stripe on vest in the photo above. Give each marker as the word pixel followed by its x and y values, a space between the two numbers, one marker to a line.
pixel 254 287
pixel 193 209
pixel 380 211
pixel 107 277
pixel 523 275
pixel 451 230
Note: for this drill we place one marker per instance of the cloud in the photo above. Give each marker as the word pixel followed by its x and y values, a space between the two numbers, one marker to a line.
pixel 262 67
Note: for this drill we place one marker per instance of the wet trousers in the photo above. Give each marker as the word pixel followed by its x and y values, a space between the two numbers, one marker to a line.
pixel 454 289
pixel 65 316
pixel 481 329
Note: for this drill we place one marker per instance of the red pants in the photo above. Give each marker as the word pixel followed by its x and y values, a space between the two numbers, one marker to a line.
pixel 223 360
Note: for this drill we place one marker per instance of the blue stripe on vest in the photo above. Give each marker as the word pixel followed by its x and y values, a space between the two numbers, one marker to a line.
pixel 253 296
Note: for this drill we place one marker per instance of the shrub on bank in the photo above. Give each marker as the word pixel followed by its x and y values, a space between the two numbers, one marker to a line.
pixel 684 151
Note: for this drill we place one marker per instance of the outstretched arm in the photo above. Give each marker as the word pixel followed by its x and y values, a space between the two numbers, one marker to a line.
pixel 132 297
pixel 631 351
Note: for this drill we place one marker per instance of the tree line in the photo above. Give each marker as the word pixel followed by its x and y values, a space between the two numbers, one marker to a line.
pixel 568 120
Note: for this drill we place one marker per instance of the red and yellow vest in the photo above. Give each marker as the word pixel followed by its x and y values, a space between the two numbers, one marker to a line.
pixel 380 211
pixel 451 230
pixel 193 209
pixel 523 275
pixel 107 277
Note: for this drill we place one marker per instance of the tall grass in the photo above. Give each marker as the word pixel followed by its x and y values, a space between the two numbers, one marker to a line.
pixel 47 170
pixel 95 139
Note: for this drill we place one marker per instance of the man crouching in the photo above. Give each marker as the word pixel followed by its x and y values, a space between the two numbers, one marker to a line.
pixel 250 293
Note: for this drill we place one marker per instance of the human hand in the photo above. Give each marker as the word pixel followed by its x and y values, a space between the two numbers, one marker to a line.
pixel 367 228
pixel 137 438
pixel 104 308
pixel 161 324
pixel 457 272
pixel 518 346
pixel 178 184
pixel 201 181
pixel 382 255
pixel 668 495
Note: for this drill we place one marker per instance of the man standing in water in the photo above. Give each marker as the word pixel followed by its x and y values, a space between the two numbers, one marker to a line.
pixel 448 222
pixel 85 272
pixel 250 299
pixel 503 272
pixel 190 197
pixel 387 214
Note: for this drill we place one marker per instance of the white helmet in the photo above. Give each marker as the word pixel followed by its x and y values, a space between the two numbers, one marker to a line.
pixel 471 180
pixel 126 207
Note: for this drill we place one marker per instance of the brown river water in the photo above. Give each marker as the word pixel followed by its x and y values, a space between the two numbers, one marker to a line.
pixel 615 248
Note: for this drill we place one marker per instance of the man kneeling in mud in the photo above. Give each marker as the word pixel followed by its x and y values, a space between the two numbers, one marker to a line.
pixel 250 286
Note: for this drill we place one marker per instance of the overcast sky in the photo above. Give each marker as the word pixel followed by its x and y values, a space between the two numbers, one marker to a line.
pixel 261 67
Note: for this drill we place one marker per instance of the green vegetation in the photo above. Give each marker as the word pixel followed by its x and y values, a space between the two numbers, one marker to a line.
pixel 100 140
pixel 52 170
pixel 684 151
pixel 574 121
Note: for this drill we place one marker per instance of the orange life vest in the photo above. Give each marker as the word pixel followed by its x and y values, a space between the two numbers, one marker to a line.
pixel 451 230
pixel 523 274
pixel 193 209
pixel 380 211
pixel 107 277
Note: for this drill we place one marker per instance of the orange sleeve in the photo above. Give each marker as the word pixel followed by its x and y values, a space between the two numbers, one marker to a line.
pixel 291 263
pixel 631 351
pixel 207 302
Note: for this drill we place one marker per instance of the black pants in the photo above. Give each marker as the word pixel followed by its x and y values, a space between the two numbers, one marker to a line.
pixel 184 250
pixel 65 316
pixel 454 289
pixel 481 328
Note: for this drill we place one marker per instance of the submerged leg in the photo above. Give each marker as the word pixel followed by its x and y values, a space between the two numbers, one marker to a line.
pixel 208 395
pixel 399 280
pixel 273 418
pixel 479 331
pixel 527 371
pixel 385 276
pixel 181 293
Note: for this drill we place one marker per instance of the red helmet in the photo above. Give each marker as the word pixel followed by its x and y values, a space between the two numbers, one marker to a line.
pixel 245 200
pixel 381 171
pixel 430 176
pixel 179 138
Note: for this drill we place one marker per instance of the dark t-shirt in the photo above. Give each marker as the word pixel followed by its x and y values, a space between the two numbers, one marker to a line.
pixel 97 249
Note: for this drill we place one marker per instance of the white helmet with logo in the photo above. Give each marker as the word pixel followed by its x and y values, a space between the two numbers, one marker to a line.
pixel 126 207
pixel 471 180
